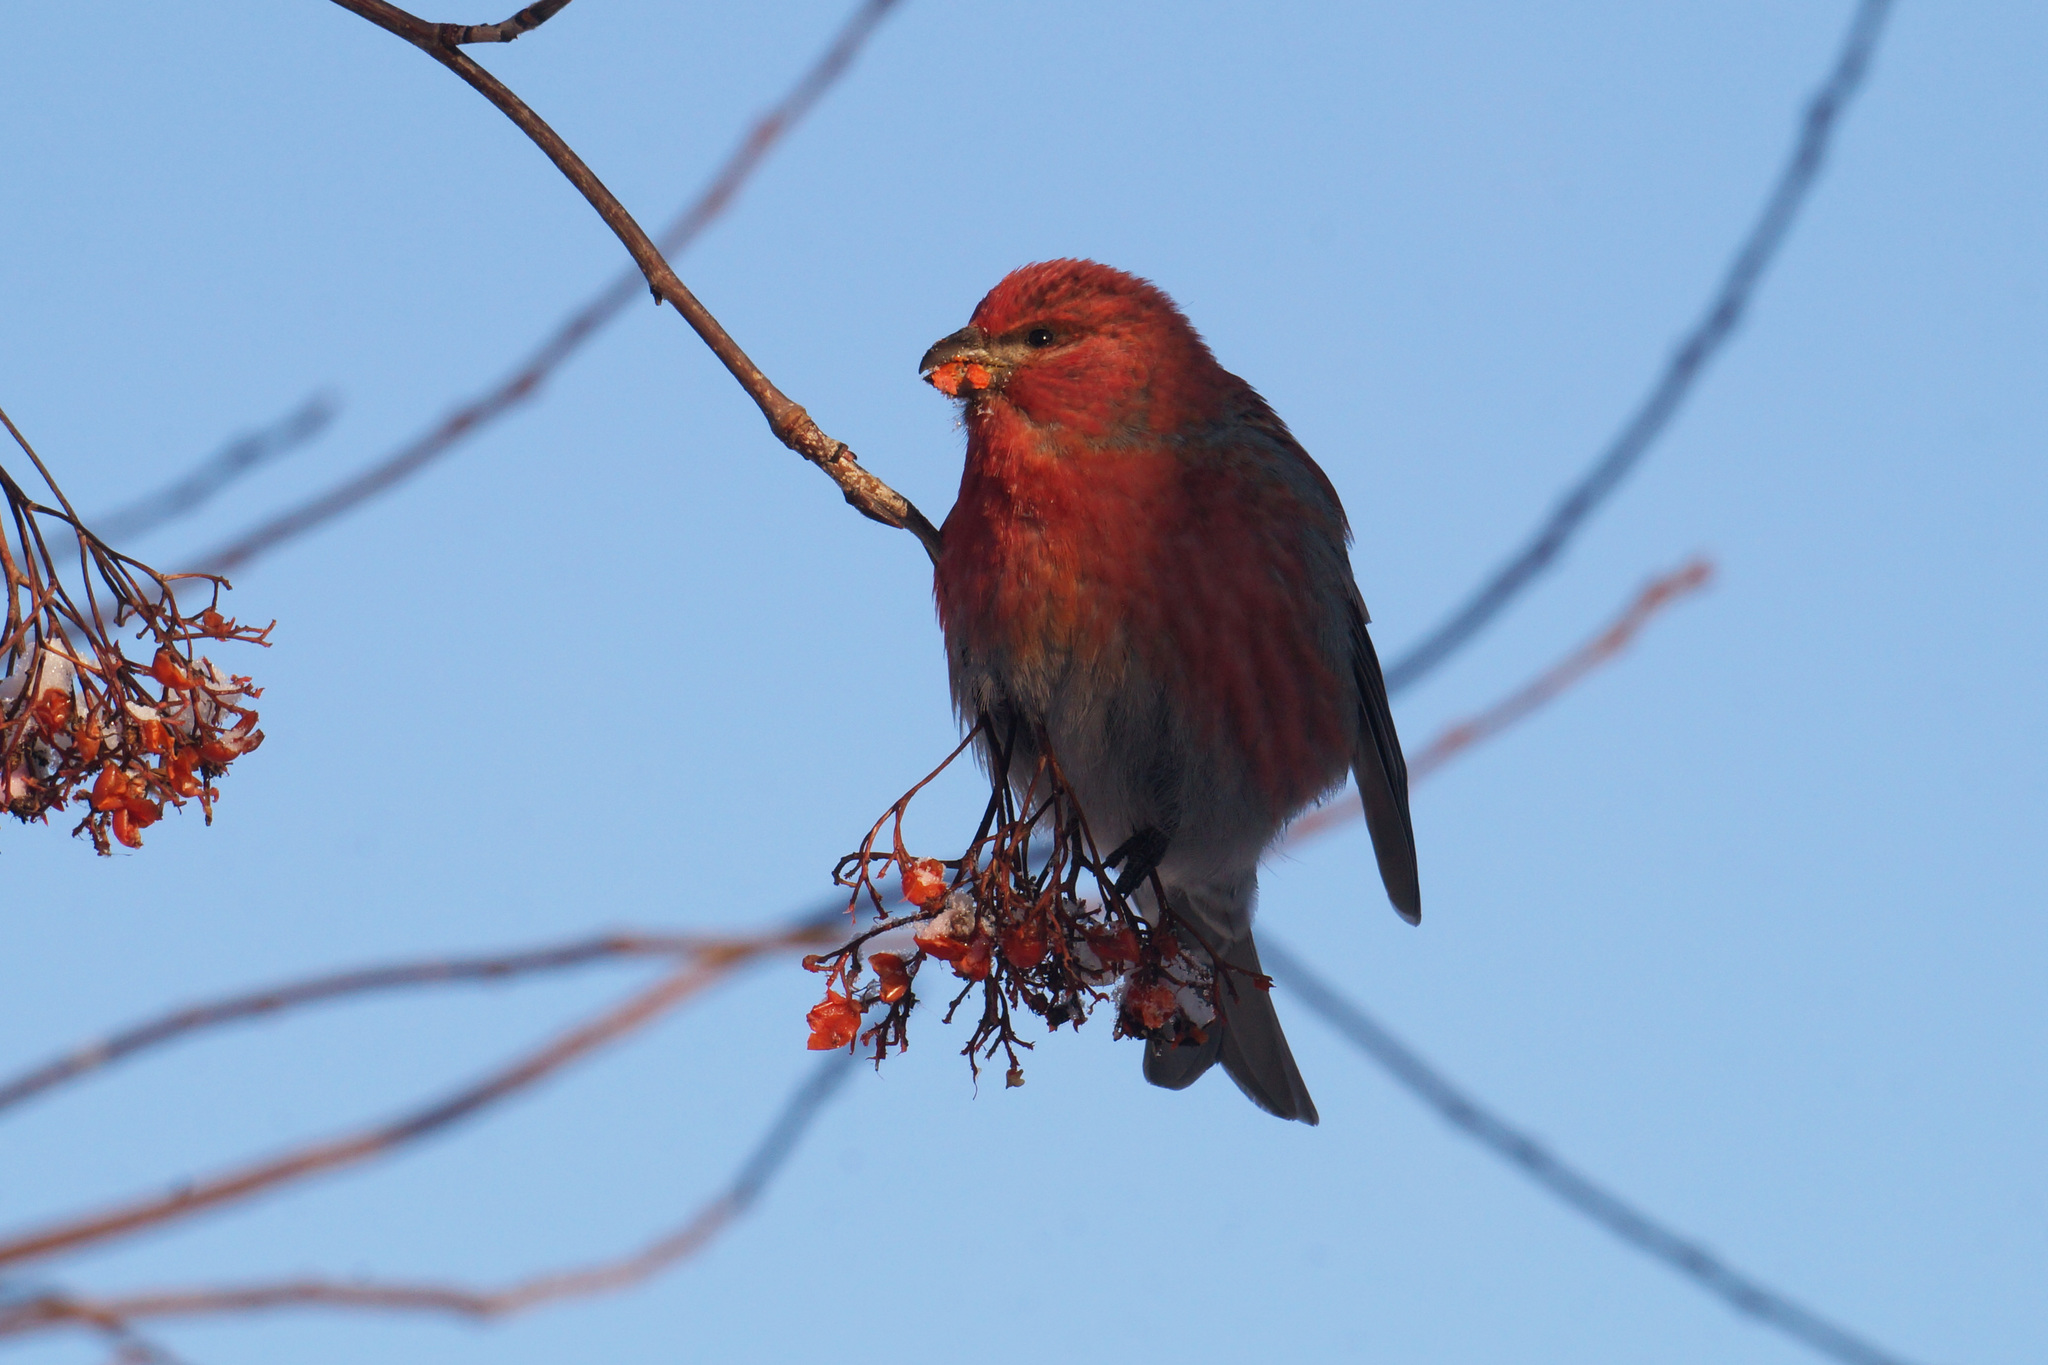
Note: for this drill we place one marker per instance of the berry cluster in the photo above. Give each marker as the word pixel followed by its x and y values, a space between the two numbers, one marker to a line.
pixel 1031 916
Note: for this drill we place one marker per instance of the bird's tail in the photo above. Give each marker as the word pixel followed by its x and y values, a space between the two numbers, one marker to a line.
pixel 1246 1036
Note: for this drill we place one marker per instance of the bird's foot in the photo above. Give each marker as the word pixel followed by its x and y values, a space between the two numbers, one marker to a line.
pixel 1139 856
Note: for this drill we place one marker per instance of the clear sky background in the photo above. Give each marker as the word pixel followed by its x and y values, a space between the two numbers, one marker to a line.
pixel 1750 924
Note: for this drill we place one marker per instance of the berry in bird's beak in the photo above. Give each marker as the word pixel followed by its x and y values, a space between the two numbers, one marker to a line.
pixel 960 361
pixel 948 377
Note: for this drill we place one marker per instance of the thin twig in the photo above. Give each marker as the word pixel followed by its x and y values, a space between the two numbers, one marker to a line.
pixel 240 457
pixel 792 425
pixel 523 384
pixel 1582 1193
pixel 1539 691
pixel 1701 344
pixel 43 1312
pixel 526 21
pixel 47 1311
pixel 350 1149
pixel 178 1023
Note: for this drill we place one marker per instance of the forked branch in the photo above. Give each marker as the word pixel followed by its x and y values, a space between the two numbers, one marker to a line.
pixel 526 21
pixel 786 418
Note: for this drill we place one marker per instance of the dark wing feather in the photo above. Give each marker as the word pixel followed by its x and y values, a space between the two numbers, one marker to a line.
pixel 1383 775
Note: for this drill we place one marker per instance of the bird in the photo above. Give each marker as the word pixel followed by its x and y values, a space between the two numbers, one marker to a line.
pixel 1145 572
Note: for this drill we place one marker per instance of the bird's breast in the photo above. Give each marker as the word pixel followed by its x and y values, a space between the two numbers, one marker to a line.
pixel 1159 578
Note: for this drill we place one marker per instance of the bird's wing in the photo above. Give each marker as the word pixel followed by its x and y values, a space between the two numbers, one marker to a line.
pixel 1382 774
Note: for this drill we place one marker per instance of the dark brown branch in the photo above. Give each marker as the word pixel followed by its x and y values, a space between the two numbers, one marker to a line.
pixel 1580 1192
pixel 786 418
pixel 526 21
pixel 524 383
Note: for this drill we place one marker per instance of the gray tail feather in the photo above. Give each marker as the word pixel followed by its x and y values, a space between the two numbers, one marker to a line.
pixel 1177 1068
pixel 1248 1041
pixel 1256 1055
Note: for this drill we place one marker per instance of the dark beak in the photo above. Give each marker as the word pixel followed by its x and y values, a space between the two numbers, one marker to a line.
pixel 969 344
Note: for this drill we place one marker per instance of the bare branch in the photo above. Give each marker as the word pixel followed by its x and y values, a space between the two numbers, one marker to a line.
pixel 44 1312
pixel 1581 1192
pixel 178 1023
pixel 241 456
pixel 1701 344
pixel 351 1149
pixel 787 419
pixel 524 383
pixel 717 956
pixel 1454 739
pixel 526 21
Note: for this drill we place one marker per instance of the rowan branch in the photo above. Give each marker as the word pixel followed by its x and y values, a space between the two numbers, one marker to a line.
pixel 238 458
pixel 786 418
pixel 526 21
pixel 1539 691
pixel 270 1001
pixel 44 1312
pixel 351 1149
pixel 524 382
pixel 1702 342
pixel 716 957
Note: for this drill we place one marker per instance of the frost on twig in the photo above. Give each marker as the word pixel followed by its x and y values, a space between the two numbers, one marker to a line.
pixel 79 719
pixel 1031 917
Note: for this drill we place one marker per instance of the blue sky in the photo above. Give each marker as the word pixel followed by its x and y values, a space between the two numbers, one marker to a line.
pixel 1749 924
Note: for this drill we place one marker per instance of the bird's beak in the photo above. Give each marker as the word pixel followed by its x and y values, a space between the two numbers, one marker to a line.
pixel 961 361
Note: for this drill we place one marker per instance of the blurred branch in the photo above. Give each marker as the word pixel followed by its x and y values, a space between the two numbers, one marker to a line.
pixel 715 955
pixel 1701 344
pixel 1539 691
pixel 177 1023
pixel 190 1197
pixel 1579 1191
pixel 239 457
pixel 45 1311
pixel 524 382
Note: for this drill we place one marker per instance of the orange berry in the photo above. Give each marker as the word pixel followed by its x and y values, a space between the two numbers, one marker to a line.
pixel 168 669
pixel 834 1022
pixel 1120 945
pixel 1025 945
pixel 924 883
pixel 53 710
pixel 894 977
pixel 978 961
pixel 1153 1004
pixel 110 790
pixel 87 738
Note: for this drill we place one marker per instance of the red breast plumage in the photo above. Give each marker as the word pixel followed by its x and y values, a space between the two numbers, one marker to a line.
pixel 1134 495
pixel 1146 572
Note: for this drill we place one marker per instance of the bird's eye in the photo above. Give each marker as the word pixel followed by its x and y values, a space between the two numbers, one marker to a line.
pixel 1038 338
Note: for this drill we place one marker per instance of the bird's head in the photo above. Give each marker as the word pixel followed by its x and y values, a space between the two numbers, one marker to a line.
pixel 1080 345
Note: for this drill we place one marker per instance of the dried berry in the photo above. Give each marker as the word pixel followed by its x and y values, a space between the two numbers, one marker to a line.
pixel 892 974
pixel 834 1022
pixel 924 883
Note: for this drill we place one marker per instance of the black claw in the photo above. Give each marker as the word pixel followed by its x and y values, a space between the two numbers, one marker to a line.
pixel 1140 855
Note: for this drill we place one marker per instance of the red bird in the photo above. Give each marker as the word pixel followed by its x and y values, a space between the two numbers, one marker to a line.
pixel 1145 568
